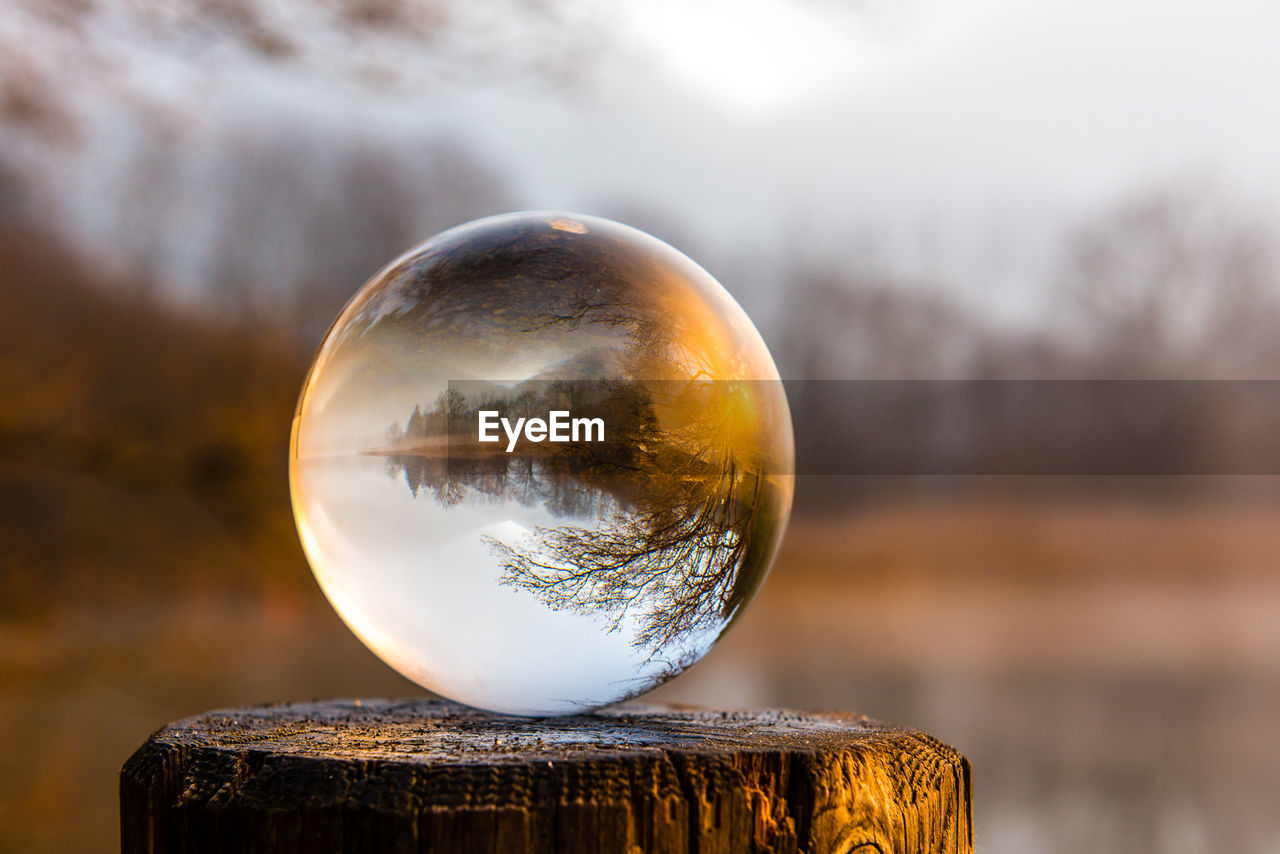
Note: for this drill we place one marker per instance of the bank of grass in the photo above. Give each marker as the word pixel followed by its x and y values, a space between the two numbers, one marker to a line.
pixel 140 446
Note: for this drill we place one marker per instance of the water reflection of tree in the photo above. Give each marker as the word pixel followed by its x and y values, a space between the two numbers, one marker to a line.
pixel 496 479
pixel 438 453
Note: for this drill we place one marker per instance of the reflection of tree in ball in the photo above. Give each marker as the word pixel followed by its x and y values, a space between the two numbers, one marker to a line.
pixel 554 576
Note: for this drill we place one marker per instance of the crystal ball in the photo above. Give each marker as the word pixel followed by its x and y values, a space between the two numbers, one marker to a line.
pixel 541 463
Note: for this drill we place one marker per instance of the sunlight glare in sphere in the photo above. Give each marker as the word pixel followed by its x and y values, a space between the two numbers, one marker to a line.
pixel 541 462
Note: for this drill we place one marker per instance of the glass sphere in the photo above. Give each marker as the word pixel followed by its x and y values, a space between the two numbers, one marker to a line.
pixel 541 462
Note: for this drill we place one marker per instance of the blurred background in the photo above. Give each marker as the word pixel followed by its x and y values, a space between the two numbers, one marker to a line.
pixel 906 190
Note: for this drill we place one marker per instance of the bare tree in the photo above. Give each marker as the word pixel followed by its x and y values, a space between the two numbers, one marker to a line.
pixel 844 324
pixel 301 224
pixel 1173 283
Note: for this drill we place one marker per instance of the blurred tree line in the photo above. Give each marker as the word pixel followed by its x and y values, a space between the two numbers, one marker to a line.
pixel 1172 283
pixel 1175 292
pixel 143 439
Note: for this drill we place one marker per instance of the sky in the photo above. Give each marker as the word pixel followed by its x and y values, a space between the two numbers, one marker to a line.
pixel 949 143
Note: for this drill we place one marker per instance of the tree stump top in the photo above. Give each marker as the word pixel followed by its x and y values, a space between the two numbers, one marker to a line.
pixel 434 732
pixel 426 775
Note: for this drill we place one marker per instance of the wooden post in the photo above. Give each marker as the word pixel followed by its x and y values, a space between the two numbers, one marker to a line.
pixel 430 776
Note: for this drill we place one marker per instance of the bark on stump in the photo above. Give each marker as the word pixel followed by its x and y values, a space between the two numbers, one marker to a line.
pixel 430 776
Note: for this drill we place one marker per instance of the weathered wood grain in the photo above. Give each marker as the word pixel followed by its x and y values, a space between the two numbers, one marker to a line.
pixel 429 776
